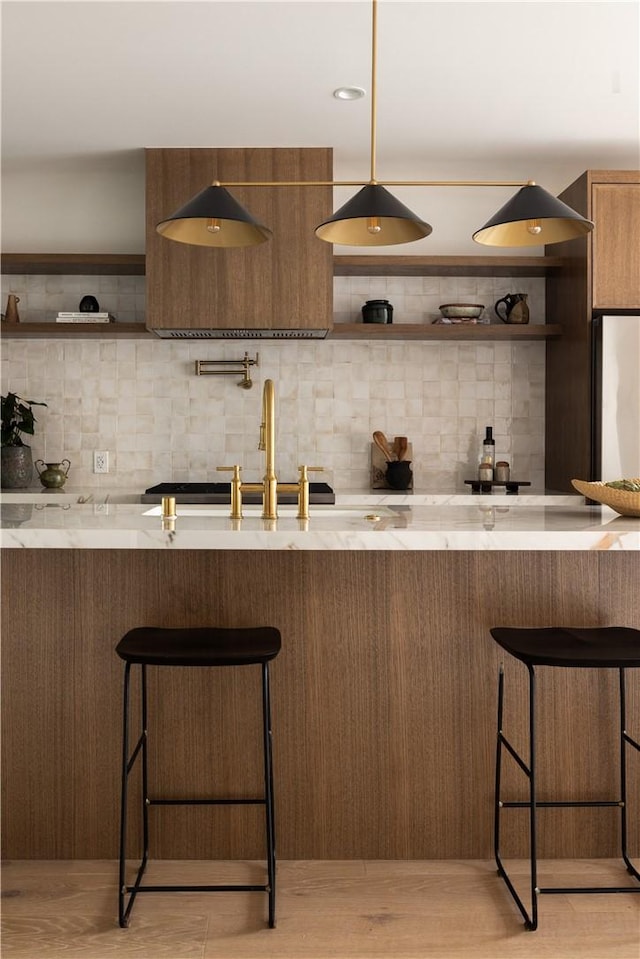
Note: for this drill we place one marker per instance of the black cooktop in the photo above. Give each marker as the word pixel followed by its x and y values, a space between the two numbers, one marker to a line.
pixel 221 493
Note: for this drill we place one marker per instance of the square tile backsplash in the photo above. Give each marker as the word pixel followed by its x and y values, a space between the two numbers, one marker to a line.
pixel 141 400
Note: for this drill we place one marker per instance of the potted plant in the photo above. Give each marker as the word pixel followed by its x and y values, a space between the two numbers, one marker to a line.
pixel 17 419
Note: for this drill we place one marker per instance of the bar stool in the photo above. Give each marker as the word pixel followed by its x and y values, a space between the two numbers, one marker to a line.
pixel 610 647
pixel 150 646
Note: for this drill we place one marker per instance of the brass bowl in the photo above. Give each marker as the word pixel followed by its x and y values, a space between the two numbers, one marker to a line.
pixel 625 502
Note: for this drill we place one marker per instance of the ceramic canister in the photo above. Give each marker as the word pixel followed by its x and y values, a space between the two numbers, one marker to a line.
pixel 377 311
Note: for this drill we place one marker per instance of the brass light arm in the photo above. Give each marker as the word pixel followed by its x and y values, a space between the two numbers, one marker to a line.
pixel 488 183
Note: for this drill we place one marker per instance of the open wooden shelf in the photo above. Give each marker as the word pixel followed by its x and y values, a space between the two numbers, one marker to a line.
pixel 445 265
pixel 134 264
pixel 105 264
pixel 70 330
pixel 459 331
pixel 341 331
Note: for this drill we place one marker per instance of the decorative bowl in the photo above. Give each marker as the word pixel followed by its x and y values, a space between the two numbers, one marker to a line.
pixel 623 501
pixel 461 311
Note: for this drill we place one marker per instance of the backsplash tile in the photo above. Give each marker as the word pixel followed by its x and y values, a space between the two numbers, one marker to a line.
pixel 141 400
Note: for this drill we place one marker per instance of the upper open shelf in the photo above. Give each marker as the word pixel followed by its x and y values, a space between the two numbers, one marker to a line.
pixel 134 263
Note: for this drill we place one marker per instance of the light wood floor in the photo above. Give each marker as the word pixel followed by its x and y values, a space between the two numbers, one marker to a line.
pixel 368 910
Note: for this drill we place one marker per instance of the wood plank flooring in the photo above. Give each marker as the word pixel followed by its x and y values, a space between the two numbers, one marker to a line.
pixel 326 910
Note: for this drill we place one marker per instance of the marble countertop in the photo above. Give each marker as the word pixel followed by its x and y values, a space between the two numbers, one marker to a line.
pixel 94 519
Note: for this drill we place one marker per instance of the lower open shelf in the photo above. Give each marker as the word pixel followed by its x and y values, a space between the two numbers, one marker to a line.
pixel 44 330
pixel 459 331
pixel 341 331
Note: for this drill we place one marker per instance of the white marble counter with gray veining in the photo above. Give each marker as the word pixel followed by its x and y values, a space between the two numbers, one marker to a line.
pixel 86 519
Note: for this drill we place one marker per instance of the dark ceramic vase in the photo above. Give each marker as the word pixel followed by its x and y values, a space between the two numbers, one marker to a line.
pixel 17 467
pixel 89 304
pixel 399 474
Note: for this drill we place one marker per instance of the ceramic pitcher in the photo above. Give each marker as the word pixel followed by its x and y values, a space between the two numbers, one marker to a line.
pixel 515 308
pixel 11 314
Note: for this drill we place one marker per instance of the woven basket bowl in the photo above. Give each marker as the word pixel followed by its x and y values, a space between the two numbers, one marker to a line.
pixel 622 501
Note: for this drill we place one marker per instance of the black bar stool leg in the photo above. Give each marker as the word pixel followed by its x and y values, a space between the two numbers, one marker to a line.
pixel 530 920
pixel 533 850
pixel 122 918
pixel 268 794
pixel 625 740
pixel 128 762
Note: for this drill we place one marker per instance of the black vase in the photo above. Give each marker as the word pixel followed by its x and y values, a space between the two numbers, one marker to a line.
pixel 89 304
pixel 399 474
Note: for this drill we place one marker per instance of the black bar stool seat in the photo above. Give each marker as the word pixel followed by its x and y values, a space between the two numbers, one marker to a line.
pixel 150 646
pixel 601 647
pixel 199 646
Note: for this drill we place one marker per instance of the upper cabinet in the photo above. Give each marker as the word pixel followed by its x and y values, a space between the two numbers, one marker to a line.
pixel 283 284
pixel 615 208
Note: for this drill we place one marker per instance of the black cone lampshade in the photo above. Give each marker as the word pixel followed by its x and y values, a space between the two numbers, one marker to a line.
pixel 213 218
pixel 532 217
pixel 373 217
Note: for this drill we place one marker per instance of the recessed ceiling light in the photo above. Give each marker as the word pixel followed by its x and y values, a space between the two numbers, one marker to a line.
pixel 349 93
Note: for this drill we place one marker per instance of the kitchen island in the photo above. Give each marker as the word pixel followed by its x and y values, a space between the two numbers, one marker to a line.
pixel 384 694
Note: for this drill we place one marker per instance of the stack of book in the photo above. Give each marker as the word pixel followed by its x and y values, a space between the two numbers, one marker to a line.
pixel 78 317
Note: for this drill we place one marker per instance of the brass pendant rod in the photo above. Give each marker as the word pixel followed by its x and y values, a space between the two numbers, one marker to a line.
pixel 374 59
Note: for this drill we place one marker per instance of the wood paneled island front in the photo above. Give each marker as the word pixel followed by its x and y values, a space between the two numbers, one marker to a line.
pixel 384 694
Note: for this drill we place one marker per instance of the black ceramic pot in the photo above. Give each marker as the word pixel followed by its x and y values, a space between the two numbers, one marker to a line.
pixel 377 311
pixel 399 474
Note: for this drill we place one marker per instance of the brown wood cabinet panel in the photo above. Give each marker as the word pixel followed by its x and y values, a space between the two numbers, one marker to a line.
pixel 384 699
pixel 616 245
pixel 285 283
pixel 604 266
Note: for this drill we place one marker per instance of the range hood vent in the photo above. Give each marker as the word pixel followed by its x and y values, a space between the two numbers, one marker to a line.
pixel 241 334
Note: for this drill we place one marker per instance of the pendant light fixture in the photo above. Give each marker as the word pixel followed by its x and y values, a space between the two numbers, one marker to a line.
pixel 374 217
pixel 214 218
pixel 530 218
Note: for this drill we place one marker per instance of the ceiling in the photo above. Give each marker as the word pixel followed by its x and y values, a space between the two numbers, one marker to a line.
pixel 506 87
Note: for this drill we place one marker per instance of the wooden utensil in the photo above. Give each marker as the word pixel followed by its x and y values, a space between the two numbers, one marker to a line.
pixel 381 442
pixel 400 444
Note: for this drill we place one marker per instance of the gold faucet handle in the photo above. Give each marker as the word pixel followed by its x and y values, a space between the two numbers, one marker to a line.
pixel 303 470
pixel 236 489
pixel 303 489
pixel 236 470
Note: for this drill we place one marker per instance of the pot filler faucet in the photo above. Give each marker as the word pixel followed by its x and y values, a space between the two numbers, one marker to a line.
pixel 269 487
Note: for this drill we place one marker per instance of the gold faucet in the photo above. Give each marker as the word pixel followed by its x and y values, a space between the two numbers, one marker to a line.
pixel 269 487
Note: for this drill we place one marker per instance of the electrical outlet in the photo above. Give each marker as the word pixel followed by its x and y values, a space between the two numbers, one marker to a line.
pixel 100 461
